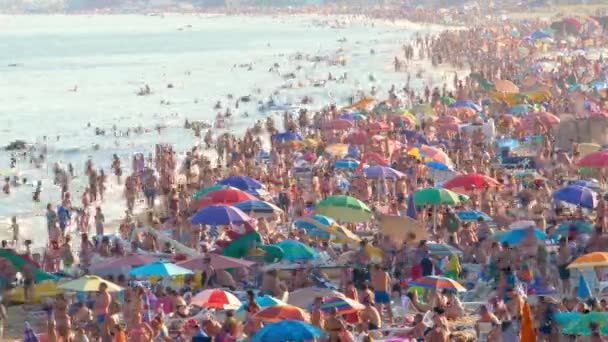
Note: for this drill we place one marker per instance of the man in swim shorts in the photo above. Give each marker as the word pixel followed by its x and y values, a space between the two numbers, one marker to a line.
pixel 381 281
pixel 102 305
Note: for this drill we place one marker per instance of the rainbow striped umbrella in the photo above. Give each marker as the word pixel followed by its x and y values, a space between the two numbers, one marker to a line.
pixel 343 305
pixel 434 282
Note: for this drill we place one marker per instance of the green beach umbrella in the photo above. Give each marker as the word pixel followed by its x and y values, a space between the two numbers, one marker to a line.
pixel 344 208
pixel 578 225
pixel 437 196
pixel 447 100
pixel 208 189
pixel 581 326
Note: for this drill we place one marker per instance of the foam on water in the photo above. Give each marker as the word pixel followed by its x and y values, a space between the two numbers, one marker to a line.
pixel 109 57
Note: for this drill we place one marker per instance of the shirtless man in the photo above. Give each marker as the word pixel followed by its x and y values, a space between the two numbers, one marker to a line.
pixel 564 256
pixel 102 305
pixel 131 191
pixel 381 281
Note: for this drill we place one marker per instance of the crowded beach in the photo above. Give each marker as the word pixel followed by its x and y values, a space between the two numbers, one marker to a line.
pixel 467 211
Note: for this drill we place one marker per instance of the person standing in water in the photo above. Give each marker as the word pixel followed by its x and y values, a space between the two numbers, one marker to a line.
pixel 15 229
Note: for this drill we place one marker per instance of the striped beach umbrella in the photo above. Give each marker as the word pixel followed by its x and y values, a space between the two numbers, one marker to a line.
pixel 257 208
pixel 434 282
pixel 441 249
pixel 216 299
pixel 342 305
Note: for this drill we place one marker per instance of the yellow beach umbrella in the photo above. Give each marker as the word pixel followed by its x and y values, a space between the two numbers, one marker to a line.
pixel 89 283
pixel 586 148
pixel 344 235
pixel 595 259
pixel 337 150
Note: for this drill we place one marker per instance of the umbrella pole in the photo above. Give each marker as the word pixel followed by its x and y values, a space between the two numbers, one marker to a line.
pixel 434 218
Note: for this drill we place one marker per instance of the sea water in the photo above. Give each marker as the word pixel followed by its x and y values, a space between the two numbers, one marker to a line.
pixel 63 76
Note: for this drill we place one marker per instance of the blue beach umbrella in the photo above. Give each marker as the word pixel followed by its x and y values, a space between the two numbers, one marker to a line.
pixel 540 35
pixel 161 269
pixel 220 214
pixel 473 216
pixel 516 236
pixel 287 136
pixel 307 224
pixel 242 182
pixel 577 195
pixel 382 172
pixel 520 109
pixel 353 116
pixel 288 330
pixel 258 207
pixel 295 250
pixel 591 184
pixel 583 290
pixel 346 164
pixel 438 166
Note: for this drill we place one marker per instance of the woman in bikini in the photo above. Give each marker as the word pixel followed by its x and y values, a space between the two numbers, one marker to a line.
pixel 140 331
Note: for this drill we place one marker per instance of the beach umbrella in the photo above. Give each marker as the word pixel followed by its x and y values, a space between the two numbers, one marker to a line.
pixel 506 86
pixel 581 325
pixel 286 137
pixel 264 302
pixel 528 330
pixel 382 172
pixel 221 214
pixel 436 196
pixel 470 182
pixel 591 184
pixel 209 189
pixel 590 260
pixel 353 116
pixel 338 150
pixel 579 226
pixel 257 208
pixel 288 330
pixel 564 318
pixel 357 137
pixel 216 299
pixel 279 312
pixel 583 291
pixel 296 251
pixel 242 182
pixel 377 127
pixel 217 261
pixel 343 305
pixel 438 166
pixel 544 117
pixel 339 124
pixel 305 297
pixel 349 164
pixel 127 261
pixel 516 236
pixel 466 104
pixel 344 208
pixel 88 283
pixel 441 249
pixel 424 109
pixel 434 282
pixel 520 109
pixel 598 159
pixel 315 221
pixel 435 153
pixel 473 215
pixel 522 224
pixel 447 100
pixel 224 196
pixel 577 195
pixel 344 235
pixel 160 269
pixel 539 35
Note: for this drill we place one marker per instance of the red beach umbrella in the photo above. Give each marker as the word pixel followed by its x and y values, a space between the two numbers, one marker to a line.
pixel 224 196
pixel 470 182
pixel 598 159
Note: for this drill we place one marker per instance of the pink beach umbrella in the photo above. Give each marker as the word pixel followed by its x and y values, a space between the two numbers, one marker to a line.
pixel 339 124
pixel 217 261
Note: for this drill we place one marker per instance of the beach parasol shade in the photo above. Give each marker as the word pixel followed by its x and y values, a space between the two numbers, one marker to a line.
pixel 344 208
pixel 470 182
pixel 442 250
pixel 343 305
pixel 591 184
pixel 434 282
pixel 580 325
pixel 224 196
pixel 264 302
pixel 209 189
pixel 288 330
pixel 258 208
pixel 304 298
pixel 401 229
pixel 516 236
pixel 438 166
pixel 315 221
pixel 350 164
pixel 579 226
pixel 520 109
pixel 339 124
pixel 598 159
pixel 447 100
pixel 216 299
pixel 160 269
pixel 217 215
pixel 217 261
pixel 595 259
pixel 435 154
pixel 279 312
pixel 89 283
pixel 436 196
pixel 295 250
pixel 528 330
pixel 242 182
pixel 286 137
pixel 466 104
pixel 344 235
pixel 506 86
pixel 338 150
pixel 577 195
pixel 382 172
pixel 127 261
pixel 473 215
pixel 377 127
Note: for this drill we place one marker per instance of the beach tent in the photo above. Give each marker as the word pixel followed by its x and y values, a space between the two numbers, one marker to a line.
pixel 18 262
